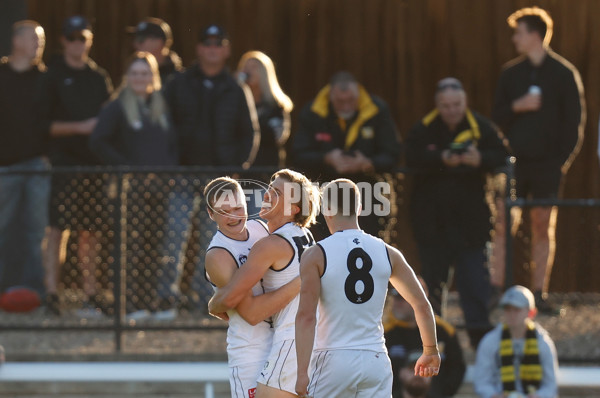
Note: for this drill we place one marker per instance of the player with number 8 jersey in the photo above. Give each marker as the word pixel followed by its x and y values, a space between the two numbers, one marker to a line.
pixel 345 279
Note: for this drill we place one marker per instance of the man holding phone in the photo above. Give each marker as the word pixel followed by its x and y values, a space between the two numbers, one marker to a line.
pixel 451 150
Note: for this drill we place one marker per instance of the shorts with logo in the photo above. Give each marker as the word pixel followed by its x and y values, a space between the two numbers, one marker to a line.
pixel 242 379
pixel 350 373
pixel 280 370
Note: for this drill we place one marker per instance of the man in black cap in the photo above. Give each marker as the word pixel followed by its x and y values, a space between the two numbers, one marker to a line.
pixel 154 36
pixel 72 93
pixel 211 113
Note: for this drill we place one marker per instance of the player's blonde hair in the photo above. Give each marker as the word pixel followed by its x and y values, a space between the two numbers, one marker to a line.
pixel 217 187
pixel 309 196
pixel 537 19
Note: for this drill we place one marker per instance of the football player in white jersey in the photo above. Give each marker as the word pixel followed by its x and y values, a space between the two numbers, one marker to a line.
pixel 289 206
pixel 249 336
pixel 346 277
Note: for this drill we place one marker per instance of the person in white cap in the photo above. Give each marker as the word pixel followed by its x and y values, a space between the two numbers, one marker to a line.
pixel 518 357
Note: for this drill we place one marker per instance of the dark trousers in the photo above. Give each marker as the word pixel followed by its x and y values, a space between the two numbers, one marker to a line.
pixel 472 282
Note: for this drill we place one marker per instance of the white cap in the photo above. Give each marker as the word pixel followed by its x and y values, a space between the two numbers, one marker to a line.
pixel 518 296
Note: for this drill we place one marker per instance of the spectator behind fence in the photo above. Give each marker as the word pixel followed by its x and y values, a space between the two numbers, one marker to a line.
pixel 135 129
pixel 273 107
pixel 517 356
pixel 212 118
pixel 23 197
pixel 402 338
pixel 346 132
pixel 73 91
pixel 539 105
pixel 154 35
pixel 451 150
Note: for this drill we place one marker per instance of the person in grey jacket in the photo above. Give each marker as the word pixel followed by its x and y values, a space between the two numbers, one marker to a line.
pixel 518 357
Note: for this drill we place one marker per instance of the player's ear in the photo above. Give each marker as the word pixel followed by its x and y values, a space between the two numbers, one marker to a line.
pixel 210 213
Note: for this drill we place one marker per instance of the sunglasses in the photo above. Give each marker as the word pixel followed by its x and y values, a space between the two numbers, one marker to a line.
pixel 76 37
pixel 214 42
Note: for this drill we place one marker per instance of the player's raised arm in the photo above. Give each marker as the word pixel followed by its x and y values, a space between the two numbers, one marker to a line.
pixel 311 269
pixel 406 283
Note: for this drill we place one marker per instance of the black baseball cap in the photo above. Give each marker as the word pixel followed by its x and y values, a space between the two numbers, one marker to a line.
pixel 152 27
pixel 75 23
pixel 213 31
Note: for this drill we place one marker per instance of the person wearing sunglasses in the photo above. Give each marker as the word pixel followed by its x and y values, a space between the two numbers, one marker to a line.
pixel 72 93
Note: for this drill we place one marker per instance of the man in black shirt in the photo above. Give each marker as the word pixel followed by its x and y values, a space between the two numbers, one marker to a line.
pixel 23 197
pixel 539 105
pixel 73 91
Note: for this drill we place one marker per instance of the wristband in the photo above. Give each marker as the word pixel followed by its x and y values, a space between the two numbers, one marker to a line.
pixel 430 350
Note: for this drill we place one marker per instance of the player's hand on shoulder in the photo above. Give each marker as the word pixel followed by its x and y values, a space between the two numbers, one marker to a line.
pixel 220 315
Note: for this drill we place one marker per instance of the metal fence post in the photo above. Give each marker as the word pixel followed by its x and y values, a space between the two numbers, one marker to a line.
pixel 510 197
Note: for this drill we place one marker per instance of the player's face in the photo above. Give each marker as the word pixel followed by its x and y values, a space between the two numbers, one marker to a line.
pixel 139 78
pixel 514 316
pixel 275 204
pixel 230 214
pixel 452 105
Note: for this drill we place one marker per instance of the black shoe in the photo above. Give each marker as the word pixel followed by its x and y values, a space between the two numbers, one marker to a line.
pixel 53 304
pixel 543 306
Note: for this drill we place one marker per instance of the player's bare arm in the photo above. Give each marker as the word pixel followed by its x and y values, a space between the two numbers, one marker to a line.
pixel 311 269
pixel 267 252
pixel 221 267
pixel 405 282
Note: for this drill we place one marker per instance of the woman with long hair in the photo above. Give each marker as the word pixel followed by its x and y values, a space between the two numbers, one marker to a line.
pixel 273 107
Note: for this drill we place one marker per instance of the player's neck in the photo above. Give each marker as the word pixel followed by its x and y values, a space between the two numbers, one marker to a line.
pixel 343 224
pixel 275 224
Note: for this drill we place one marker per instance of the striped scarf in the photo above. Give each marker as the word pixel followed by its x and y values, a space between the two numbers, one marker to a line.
pixel 530 370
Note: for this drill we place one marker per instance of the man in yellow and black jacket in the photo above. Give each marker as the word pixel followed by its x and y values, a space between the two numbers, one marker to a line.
pixel 346 132
pixel 452 150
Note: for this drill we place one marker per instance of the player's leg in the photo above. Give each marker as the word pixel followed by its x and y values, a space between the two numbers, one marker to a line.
pixel 335 374
pixel 242 379
pixel 278 377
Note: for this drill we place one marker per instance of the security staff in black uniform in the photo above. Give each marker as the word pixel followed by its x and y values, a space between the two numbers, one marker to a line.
pixel 73 91
pixel 452 149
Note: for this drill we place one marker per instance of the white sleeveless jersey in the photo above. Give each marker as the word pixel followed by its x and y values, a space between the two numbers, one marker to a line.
pixel 353 291
pixel 299 239
pixel 245 343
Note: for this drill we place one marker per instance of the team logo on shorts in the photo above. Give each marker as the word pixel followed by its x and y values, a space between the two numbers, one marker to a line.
pixel 242 258
pixel 252 393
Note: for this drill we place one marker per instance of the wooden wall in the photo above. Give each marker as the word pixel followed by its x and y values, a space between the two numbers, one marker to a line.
pixel 397 48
